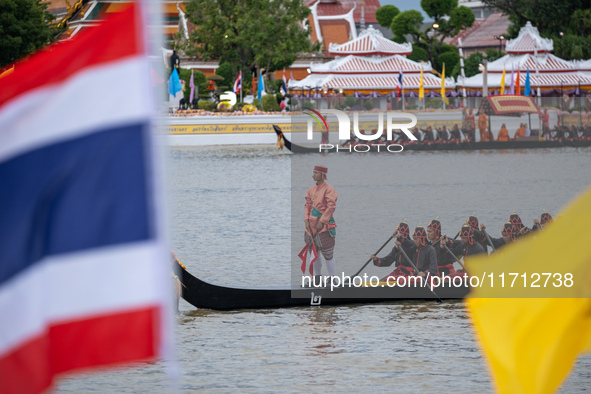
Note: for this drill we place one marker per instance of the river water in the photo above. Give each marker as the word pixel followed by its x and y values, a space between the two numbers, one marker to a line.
pixel 236 216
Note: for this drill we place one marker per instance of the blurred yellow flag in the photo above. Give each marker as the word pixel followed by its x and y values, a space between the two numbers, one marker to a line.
pixel 503 82
pixel 421 88
pixel 443 86
pixel 532 335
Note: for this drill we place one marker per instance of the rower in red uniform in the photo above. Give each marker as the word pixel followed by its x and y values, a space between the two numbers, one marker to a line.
pixel 545 218
pixel 444 261
pixel 478 235
pixel 395 256
pixel 507 235
pixel 467 247
pixel 321 201
pixel 520 229
pixel 423 254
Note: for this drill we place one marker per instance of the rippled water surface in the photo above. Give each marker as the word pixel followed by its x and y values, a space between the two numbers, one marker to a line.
pixel 232 213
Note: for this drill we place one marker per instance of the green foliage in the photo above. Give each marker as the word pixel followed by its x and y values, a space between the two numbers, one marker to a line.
pixel 385 14
pixel 367 104
pixel 418 54
pixel 471 64
pixel 278 83
pixel 449 48
pixel 270 103
pixel 224 70
pixel 581 21
pixel 198 78
pixel 493 54
pixel 438 8
pixel 257 103
pixel 549 16
pixel 450 59
pixel 573 47
pixel 460 18
pixel 24 28
pixel 449 18
pixel 249 33
pixel 206 105
pixel 350 101
pixel 407 22
pixel 309 104
pixel 434 102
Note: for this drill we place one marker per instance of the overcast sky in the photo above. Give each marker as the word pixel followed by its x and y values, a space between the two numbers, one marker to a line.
pixel 404 5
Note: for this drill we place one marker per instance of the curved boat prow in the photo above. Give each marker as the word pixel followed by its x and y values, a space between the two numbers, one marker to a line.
pixel 281 140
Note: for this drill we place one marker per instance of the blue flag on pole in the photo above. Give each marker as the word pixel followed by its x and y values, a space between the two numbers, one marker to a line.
pixel 527 84
pixel 261 86
pixel 174 83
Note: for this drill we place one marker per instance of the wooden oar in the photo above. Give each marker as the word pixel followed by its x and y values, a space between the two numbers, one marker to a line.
pixel 368 261
pixel 417 272
pixel 456 258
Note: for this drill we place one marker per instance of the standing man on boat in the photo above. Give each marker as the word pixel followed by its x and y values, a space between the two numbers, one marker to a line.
pixel 482 125
pixel 321 202
pixel 469 120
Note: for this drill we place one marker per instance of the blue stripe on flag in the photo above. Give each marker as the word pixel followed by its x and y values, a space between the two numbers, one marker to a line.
pixel 79 194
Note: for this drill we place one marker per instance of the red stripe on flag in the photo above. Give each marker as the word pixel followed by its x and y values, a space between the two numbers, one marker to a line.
pixel 118 37
pixel 97 341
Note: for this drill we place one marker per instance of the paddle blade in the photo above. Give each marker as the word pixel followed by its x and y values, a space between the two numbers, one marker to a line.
pixel 314 255
pixel 303 254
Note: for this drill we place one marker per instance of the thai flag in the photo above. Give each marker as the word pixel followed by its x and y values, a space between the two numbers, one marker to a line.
pixel 84 270
pixel 399 86
pixel 238 84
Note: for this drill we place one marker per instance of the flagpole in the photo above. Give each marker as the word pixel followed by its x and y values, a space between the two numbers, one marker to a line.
pixel 402 97
pixel 462 72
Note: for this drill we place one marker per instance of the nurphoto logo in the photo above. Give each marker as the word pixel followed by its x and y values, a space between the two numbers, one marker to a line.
pixel 392 123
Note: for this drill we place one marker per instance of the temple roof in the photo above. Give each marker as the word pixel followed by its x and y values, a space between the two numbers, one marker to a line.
pixel 342 7
pixel 529 41
pixel 583 65
pixel 379 65
pixel 570 79
pixel 370 42
pixel 357 82
pixel 545 63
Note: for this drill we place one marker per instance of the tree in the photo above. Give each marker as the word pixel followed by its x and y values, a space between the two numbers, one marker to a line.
pixel 449 20
pixel 385 14
pixel 24 28
pixel 582 21
pixel 249 34
pixel 550 16
pixel 418 54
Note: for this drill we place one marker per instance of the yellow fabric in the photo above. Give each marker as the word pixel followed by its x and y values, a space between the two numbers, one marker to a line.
pixel 531 342
pixel 421 88
pixel 443 85
pixel 7 72
pixel 503 82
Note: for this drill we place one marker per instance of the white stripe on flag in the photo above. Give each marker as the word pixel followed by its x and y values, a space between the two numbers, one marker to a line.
pixel 56 113
pixel 78 285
